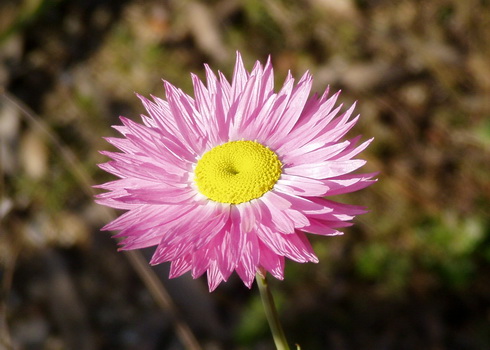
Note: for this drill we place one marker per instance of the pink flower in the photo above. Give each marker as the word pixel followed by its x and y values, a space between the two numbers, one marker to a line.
pixel 234 178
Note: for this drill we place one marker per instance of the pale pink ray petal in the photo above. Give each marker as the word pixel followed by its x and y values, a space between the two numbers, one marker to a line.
pixel 265 129
pixel 168 252
pixel 261 116
pixel 147 164
pixel 124 145
pixel 201 259
pixel 229 252
pixel 129 182
pixel 349 183
pixel 176 241
pixel 275 200
pixel 301 186
pixel 226 88
pixel 306 205
pixel 180 106
pixel 288 245
pixel 244 108
pixel 124 170
pixel 145 138
pixel 247 217
pixel 335 134
pixel 317 108
pixel 267 77
pixel 240 78
pixel 157 195
pixel 273 263
pixel 180 266
pixel 160 112
pixel 107 200
pixel 293 111
pixel 214 276
pixel 275 217
pixel 352 150
pixel 249 261
pixel 319 227
pixel 149 122
pixel 309 127
pixel 155 231
pixel 222 107
pixel 139 239
pixel 215 227
pixel 192 223
pixel 301 247
pixel 204 104
pixel 314 153
pixel 349 209
pixel 300 220
pixel 326 169
pixel 145 216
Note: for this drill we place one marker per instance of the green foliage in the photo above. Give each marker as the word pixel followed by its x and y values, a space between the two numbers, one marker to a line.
pixel 482 131
pixel 253 324
pixel 378 262
pixel 448 245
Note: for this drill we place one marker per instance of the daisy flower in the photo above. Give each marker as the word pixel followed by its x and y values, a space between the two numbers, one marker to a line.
pixel 235 177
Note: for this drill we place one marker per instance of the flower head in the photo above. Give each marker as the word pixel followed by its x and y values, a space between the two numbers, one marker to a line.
pixel 233 178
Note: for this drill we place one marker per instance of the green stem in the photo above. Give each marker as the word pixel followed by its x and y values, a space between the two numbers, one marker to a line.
pixel 271 314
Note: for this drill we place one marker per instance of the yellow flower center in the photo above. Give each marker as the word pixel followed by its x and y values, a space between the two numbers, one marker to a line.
pixel 237 172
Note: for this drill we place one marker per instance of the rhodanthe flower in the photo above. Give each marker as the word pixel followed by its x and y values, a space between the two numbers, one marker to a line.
pixel 234 178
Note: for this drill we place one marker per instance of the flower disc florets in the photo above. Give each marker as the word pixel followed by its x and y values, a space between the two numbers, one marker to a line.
pixel 237 172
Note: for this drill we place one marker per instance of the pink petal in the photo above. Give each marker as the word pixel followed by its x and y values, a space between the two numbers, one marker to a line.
pixel 319 227
pixel 301 186
pixel 293 111
pixel 180 266
pixel 272 262
pixel 214 276
pixel 275 217
pixel 240 77
pixel 158 195
pixel 326 169
pixel 249 261
pixel 349 183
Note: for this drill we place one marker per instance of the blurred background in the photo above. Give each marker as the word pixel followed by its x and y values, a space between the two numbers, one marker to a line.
pixel 414 273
